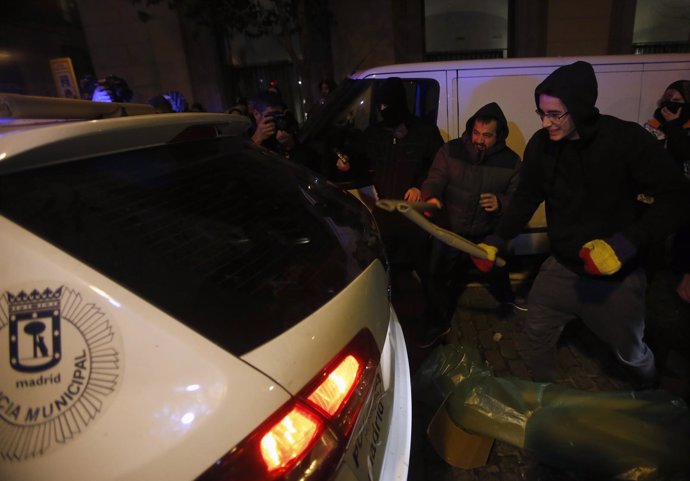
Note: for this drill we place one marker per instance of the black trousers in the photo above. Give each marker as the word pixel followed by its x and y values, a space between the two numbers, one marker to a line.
pixel 448 273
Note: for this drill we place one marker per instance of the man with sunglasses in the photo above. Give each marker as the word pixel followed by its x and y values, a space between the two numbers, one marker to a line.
pixel 588 169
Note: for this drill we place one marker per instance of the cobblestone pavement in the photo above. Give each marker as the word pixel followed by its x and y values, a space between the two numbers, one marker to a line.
pixel 584 361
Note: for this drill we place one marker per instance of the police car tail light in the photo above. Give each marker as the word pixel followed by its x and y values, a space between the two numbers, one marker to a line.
pixel 344 385
pixel 306 438
pixel 289 438
pixel 338 386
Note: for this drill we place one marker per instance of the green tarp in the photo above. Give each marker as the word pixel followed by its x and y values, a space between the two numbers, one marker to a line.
pixel 626 435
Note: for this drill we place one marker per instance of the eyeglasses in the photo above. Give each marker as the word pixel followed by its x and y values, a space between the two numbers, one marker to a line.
pixel 554 117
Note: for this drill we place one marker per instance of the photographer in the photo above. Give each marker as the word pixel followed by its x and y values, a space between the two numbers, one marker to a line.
pixel 275 127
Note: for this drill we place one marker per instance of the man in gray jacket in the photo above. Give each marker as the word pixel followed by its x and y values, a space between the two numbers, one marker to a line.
pixel 471 180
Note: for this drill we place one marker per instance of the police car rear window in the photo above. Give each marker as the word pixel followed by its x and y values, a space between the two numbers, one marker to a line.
pixel 236 243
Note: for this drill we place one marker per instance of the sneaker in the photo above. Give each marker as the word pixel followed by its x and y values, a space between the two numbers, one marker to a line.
pixel 432 336
pixel 518 306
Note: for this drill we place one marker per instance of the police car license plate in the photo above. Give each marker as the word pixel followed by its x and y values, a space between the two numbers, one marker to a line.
pixel 365 452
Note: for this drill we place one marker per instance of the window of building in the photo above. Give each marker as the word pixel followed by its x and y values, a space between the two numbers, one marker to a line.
pixel 461 29
pixel 662 26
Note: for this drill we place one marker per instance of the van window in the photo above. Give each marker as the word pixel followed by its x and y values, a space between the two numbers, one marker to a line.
pixel 359 112
pixel 340 125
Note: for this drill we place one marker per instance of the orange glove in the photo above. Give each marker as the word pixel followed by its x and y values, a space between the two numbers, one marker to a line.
pixel 606 257
pixel 485 265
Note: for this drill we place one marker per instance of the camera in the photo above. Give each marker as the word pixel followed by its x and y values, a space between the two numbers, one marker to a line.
pixel 282 121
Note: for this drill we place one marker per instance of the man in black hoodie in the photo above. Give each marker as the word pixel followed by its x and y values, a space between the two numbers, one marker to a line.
pixel 589 169
pixel 400 149
pixel 472 180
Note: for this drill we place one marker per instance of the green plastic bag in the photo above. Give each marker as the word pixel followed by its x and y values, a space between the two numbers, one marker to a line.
pixel 624 435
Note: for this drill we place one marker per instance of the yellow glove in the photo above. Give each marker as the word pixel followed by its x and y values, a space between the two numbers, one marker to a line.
pixel 485 265
pixel 606 257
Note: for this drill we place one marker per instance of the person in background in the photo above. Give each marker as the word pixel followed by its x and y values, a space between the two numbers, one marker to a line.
pixel 177 100
pixel 326 87
pixel 197 107
pixel 275 128
pixel 161 104
pixel 108 89
pixel 588 168
pixel 671 121
pixel 473 179
pixel 240 107
pixel 671 125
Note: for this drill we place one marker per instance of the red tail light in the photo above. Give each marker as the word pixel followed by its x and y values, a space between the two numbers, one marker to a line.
pixel 306 438
pixel 337 387
pixel 289 438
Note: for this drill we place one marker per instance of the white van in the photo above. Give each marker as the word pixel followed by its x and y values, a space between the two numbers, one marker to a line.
pixel 449 92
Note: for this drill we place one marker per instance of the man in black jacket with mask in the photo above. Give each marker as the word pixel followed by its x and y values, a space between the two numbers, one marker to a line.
pixel 589 168
pixel 401 147
pixel 400 150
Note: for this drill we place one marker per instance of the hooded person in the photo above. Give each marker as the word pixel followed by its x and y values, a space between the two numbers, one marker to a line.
pixel 391 102
pixel 395 153
pixel 177 100
pixel 401 147
pixel 398 151
pixel 671 121
pixel 479 162
pixel 671 125
pixel 472 180
pixel 588 169
pixel 675 98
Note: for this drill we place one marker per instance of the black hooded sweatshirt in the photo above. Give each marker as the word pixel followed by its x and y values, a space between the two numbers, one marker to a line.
pixel 457 177
pixel 401 147
pixel 590 185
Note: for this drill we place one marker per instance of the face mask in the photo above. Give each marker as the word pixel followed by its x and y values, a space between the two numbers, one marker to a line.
pixel 392 115
pixel 673 106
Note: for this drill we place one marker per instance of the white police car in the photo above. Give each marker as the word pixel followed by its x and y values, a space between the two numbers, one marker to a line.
pixel 178 304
